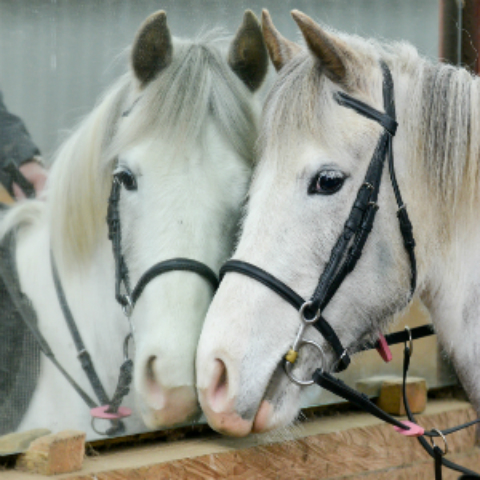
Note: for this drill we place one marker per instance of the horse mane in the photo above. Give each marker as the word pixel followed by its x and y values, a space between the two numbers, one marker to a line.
pixel 441 114
pixel 448 143
pixel 197 84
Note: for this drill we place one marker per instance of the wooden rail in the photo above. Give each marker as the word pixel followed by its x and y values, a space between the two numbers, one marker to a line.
pixel 346 446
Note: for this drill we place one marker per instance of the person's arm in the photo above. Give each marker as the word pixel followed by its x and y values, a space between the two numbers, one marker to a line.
pixel 16 145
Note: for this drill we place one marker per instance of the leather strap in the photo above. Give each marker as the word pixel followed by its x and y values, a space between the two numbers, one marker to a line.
pixel 174 264
pixel 403 336
pixel 293 299
pixel 339 388
pixel 423 442
pixel 264 277
pixel 82 352
pixel 23 305
pixel 83 355
pixel 129 298
pixel 386 121
pixel 336 386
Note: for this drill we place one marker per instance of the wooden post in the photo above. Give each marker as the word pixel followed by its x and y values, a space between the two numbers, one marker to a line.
pixel 460 33
pixel 5 196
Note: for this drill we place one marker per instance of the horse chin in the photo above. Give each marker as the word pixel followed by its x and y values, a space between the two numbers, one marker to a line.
pixel 278 408
pixel 178 407
pixel 264 418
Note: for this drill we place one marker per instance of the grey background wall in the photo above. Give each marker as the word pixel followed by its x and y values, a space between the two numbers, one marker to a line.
pixel 57 56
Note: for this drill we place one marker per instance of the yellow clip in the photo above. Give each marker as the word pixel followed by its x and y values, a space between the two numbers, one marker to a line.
pixel 291 356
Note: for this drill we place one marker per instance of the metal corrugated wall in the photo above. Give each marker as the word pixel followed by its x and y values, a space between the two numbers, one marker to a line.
pixel 57 56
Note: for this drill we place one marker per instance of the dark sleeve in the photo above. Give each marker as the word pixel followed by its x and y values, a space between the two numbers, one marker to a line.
pixel 15 141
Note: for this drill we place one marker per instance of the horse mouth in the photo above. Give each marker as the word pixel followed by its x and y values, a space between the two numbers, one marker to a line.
pixel 178 406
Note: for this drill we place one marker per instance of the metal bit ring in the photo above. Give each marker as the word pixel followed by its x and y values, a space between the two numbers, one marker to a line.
pixel 92 423
pixel 288 366
pixel 440 434
pixel 303 318
pixel 410 340
pixel 126 342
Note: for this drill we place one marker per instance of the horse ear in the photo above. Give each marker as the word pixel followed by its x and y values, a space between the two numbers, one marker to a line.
pixel 331 52
pixel 280 49
pixel 152 48
pixel 248 56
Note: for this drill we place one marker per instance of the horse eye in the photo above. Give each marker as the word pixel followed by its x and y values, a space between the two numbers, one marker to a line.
pixel 127 179
pixel 327 182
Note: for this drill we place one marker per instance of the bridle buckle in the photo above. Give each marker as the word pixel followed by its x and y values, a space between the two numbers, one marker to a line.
pixel 304 318
pixel 127 307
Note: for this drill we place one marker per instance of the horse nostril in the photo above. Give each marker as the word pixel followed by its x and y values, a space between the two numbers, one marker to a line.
pixel 219 386
pixel 151 368
pixel 222 383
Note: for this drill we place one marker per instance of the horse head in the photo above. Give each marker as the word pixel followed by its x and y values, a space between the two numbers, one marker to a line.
pixel 176 136
pixel 314 155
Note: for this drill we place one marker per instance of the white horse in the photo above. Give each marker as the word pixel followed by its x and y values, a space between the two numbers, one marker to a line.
pixel 178 133
pixel 313 159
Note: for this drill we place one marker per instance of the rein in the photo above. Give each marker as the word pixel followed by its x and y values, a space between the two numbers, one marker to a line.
pixel 111 409
pixel 343 259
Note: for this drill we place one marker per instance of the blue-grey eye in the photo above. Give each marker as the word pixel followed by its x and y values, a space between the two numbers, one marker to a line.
pixel 326 182
pixel 127 179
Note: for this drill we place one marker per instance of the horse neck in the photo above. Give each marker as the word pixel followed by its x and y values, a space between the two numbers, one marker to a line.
pixel 437 152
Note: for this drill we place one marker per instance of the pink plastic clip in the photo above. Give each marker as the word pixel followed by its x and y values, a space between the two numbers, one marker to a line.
pixel 414 430
pixel 101 412
pixel 383 349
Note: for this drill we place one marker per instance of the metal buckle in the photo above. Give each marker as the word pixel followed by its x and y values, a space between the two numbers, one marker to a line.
pixel 128 307
pixel 303 318
pixel 440 434
pixel 126 341
pixel 288 365
pixel 410 340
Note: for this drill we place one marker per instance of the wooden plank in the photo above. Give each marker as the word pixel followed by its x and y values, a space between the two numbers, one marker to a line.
pixel 347 445
pixel 61 452
pixel 423 470
pixel 5 196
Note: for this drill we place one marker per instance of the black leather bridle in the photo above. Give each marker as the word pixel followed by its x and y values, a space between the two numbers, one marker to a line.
pixel 128 298
pixel 343 259
pixel 349 246
pixel 110 408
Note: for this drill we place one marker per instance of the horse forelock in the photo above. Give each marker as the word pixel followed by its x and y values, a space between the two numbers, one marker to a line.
pixel 196 85
pixel 79 180
pixel 302 96
pixel 175 105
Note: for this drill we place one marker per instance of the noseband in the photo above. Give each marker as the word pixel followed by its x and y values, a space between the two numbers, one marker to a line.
pixel 349 246
pixel 129 298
